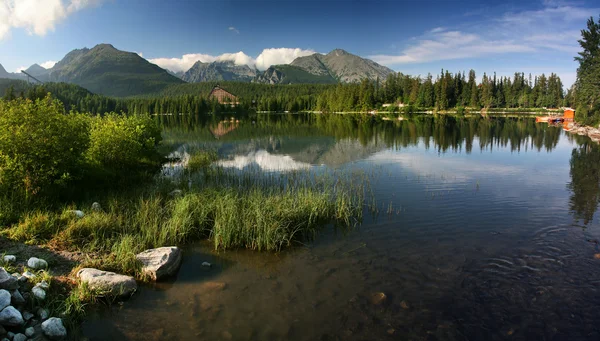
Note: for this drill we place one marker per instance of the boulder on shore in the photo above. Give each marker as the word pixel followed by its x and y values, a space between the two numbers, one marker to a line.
pixel 54 328
pixel 11 317
pixel 4 299
pixel 161 262
pixel 7 282
pixel 114 284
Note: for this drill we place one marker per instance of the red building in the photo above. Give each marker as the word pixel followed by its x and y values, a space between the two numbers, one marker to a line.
pixel 223 96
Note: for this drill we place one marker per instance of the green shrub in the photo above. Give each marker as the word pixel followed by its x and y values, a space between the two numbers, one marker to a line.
pixel 41 146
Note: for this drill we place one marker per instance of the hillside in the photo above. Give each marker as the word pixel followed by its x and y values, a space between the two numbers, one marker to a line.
pixel 3 72
pixel 343 66
pixel 219 71
pixel 36 70
pixel 108 71
pixel 289 74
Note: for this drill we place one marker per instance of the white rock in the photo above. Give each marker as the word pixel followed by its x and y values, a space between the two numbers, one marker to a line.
pixel 4 299
pixel 10 259
pixel 77 213
pixel 43 313
pixel 115 284
pixel 27 316
pixel 11 317
pixel 39 293
pixel 44 285
pixel 30 331
pixel 19 337
pixel 7 281
pixel 54 328
pixel 96 207
pixel 37 263
pixel 16 297
pixel 175 193
pixel 161 262
pixel 28 275
pixel 206 264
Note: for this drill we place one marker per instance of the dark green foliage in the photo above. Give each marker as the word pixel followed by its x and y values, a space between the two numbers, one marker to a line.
pixel 587 87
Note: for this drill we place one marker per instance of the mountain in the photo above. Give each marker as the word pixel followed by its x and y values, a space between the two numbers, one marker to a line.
pixel 3 72
pixel 343 66
pixel 219 71
pixel 336 66
pixel 289 74
pixel 36 70
pixel 108 71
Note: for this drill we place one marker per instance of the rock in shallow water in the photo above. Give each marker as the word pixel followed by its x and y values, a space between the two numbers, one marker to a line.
pixel 161 262
pixel 54 328
pixel 10 317
pixel 7 282
pixel 37 263
pixel 114 284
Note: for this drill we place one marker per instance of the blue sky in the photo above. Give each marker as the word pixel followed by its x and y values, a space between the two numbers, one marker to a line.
pixel 414 37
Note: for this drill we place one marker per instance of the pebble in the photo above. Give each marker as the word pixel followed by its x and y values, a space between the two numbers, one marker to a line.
pixel 28 275
pixel 27 316
pixel 378 298
pixel 43 313
pixel 30 331
pixel 207 264
pixel 10 259
pixel 404 305
pixel 44 285
pixel 54 328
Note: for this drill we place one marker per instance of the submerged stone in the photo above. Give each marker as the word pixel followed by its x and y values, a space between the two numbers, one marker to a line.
pixel 110 282
pixel 161 262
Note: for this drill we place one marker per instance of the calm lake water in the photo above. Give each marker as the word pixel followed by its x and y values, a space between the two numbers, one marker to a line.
pixel 487 230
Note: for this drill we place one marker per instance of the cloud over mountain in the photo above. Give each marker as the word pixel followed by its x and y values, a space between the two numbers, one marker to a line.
pixel 268 57
pixel 37 16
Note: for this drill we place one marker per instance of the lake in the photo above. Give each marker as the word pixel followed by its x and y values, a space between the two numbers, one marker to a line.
pixel 482 229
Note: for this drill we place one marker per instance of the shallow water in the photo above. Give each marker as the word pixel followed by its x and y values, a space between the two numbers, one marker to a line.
pixel 487 230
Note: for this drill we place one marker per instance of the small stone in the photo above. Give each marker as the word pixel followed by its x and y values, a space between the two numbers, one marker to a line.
pixel 77 213
pixel 404 305
pixel 10 259
pixel 96 207
pixel 30 331
pixel 207 264
pixel 43 313
pixel 161 262
pixel 4 299
pixel 11 317
pixel 44 285
pixel 54 328
pixel 10 335
pixel 391 331
pixel 17 298
pixel 37 263
pixel 27 275
pixel 27 315
pixel 7 282
pixel 20 337
pixel 38 293
pixel 378 298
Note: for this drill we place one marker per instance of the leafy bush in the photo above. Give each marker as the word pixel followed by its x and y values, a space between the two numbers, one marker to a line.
pixel 41 147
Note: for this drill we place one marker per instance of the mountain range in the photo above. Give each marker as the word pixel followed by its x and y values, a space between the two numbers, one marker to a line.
pixel 109 71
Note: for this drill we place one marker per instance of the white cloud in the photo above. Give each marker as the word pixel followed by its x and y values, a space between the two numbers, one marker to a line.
pixel 37 16
pixel 49 64
pixel 233 29
pixel 267 58
pixel 19 69
pixel 270 57
pixel 552 28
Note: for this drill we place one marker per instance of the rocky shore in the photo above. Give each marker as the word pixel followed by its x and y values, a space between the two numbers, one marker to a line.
pixel 593 133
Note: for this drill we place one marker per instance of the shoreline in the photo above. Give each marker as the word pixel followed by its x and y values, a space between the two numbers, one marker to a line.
pixel 591 132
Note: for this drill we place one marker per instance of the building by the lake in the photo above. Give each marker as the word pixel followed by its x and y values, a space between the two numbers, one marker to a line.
pixel 223 96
